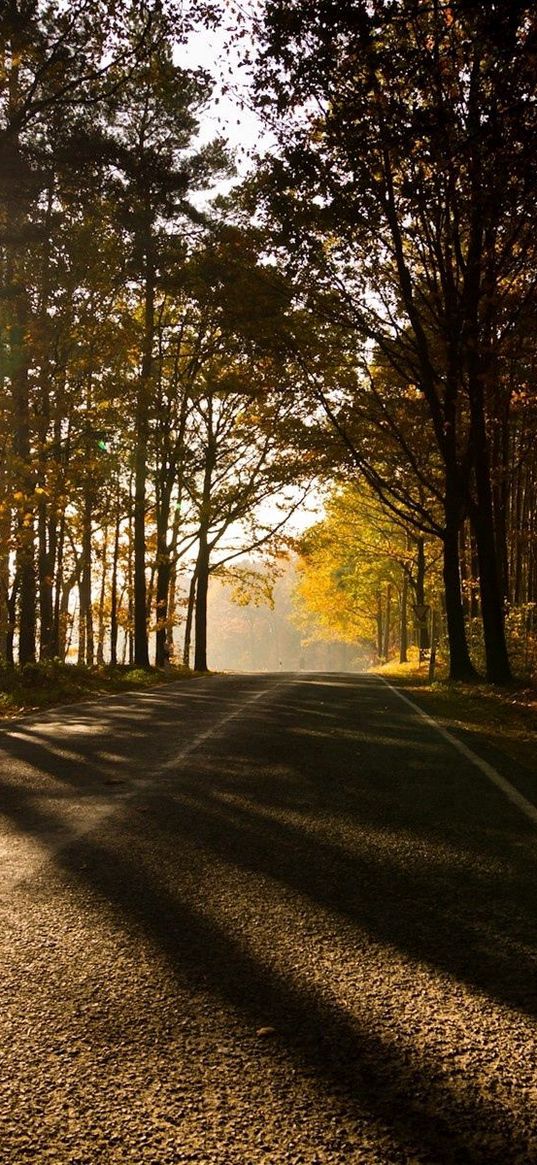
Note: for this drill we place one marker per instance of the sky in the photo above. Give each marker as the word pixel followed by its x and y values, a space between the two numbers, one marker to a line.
pixel 229 114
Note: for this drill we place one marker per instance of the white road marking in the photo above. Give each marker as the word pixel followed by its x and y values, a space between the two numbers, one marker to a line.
pixel 509 791
pixel 24 852
pixel 189 748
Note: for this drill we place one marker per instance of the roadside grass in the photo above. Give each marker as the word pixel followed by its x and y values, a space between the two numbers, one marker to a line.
pixel 504 717
pixel 50 682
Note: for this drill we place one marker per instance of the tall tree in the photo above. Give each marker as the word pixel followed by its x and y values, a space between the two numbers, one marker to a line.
pixel 155 128
pixel 357 568
pixel 54 62
pixel 406 183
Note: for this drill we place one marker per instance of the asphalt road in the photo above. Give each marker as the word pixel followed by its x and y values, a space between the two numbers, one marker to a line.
pixel 269 919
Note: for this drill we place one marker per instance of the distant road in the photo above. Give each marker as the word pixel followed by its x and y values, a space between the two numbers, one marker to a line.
pixel 262 920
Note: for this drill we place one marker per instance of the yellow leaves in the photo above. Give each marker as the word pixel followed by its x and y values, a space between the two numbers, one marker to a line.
pixel 330 244
pixel 347 560
pixel 521 397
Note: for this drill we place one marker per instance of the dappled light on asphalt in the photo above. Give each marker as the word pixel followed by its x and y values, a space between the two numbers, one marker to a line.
pixel 373 914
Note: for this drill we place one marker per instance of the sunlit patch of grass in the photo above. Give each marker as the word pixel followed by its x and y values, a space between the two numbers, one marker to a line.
pixel 413 671
pixel 50 682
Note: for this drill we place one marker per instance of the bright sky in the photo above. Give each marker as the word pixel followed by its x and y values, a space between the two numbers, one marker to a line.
pixel 228 114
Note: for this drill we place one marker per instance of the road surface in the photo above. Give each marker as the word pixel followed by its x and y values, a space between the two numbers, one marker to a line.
pixel 262 919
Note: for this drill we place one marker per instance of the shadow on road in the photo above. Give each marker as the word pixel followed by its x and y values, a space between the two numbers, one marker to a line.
pixel 355 810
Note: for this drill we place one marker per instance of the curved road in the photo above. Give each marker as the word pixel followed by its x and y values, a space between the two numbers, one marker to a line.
pixel 262 919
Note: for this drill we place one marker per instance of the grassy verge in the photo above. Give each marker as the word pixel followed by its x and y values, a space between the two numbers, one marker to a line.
pixel 505 718
pixel 44 685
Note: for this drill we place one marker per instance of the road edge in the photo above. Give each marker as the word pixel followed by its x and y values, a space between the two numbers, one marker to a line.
pixel 509 791
pixel 7 724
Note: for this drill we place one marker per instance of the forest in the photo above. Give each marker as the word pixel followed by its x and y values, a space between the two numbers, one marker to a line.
pixel 193 342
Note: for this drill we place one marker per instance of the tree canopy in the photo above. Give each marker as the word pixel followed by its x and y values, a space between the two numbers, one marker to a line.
pixel 404 195
pixel 358 312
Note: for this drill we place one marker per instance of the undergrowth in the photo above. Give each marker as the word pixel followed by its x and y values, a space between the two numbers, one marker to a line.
pixel 49 682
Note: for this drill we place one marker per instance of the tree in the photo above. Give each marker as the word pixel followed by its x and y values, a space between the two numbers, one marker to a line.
pixel 152 143
pixel 406 187
pixel 95 130
pixel 356 568
pixel 239 462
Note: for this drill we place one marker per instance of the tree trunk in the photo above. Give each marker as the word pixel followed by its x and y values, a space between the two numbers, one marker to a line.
pixel 47 539
pixel 421 621
pixel 63 614
pixel 113 594
pixel 479 336
pixel 163 570
pixel 129 638
pixel 5 537
pixel 464 569
pixel 500 490
pixel 379 623
pixel 141 645
pixel 189 618
pixel 202 588
pixel 163 586
pixel 517 557
pixel 56 635
pixel 172 584
pixel 474 578
pixel 21 447
pixel 403 639
pixel 460 664
pixel 47 527
pixel 81 657
pixel 492 608
pixel 387 624
pixel 102 599
pixel 204 552
pixel 19 307
pixel 12 620
pixel 86 612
